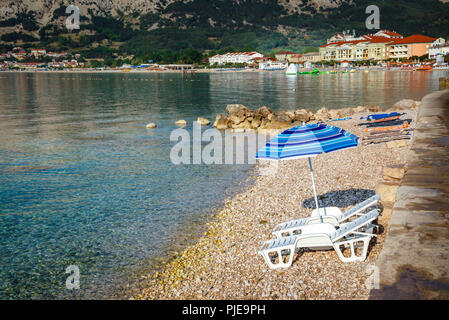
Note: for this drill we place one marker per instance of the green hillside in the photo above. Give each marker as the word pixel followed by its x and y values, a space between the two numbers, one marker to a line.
pixel 218 25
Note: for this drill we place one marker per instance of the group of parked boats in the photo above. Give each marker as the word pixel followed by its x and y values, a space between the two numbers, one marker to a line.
pixel 293 69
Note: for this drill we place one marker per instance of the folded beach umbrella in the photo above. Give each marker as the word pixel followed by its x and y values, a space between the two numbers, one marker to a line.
pixel 307 141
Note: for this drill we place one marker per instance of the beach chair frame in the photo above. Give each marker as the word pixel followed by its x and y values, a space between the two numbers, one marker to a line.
pixel 330 215
pixel 348 236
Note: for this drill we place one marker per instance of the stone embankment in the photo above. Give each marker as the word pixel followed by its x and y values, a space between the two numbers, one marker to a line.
pixel 413 263
pixel 240 118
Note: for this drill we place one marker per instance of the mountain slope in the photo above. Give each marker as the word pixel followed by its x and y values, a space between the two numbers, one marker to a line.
pixel 143 26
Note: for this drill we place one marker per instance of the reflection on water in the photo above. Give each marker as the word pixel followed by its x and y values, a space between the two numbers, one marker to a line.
pixel 84 182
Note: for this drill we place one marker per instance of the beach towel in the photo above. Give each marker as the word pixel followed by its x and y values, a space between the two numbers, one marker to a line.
pixel 385 123
pixel 403 126
pixel 384 119
pixel 381 116
pixel 339 119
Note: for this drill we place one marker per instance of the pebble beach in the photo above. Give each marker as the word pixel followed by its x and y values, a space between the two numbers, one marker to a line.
pixel 224 263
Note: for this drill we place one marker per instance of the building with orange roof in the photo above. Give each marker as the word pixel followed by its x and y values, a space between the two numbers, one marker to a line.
pixel 295 58
pixel 284 56
pixel 379 46
pixel 414 45
pixel 388 34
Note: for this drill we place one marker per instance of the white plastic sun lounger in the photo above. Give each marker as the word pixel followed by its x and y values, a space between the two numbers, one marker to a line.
pixel 331 215
pixel 347 236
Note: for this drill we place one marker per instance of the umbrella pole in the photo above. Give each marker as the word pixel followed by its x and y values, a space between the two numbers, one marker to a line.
pixel 313 183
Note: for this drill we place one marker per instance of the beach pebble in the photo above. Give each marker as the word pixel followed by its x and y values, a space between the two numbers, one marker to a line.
pixel 224 264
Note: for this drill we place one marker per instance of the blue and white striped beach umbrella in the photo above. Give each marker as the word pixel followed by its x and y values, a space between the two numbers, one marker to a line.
pixel 308 140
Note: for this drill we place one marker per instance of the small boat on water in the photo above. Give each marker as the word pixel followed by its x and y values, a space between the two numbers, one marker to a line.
pixel 314 71
pixel 424 68
pixel 272 66
pixel 292 70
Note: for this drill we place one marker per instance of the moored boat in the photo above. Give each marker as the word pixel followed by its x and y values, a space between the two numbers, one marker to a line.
pixel 292 70
pixel 424 68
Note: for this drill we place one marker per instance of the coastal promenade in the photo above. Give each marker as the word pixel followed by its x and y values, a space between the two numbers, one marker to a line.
pixel 413 263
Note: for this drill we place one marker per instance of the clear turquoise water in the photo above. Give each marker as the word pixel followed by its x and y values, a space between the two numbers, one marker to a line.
pixel 83 182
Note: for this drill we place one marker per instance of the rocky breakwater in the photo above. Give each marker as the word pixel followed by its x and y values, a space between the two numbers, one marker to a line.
pixel 240 118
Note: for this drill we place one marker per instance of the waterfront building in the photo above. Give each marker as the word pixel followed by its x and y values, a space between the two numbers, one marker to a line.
pixel 38 52
pixel 438 47
pixel 235 57
pixel 311 57
pixel 415 45
pixel 18 53
pixel 56 54
pixel 388 34
pixel 342 37
pixel 283 56
pixel 296 58
pixel 379 46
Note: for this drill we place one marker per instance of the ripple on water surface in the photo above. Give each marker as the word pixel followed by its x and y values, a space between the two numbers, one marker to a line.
pixel 83 182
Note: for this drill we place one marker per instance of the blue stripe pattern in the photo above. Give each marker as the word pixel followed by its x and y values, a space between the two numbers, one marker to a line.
pixel 307 141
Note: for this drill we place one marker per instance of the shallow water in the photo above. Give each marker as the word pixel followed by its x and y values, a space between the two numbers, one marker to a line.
pixel 83 182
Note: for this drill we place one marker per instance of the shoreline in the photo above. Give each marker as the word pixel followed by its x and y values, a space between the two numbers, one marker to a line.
pixel 196 71
pixel 224 264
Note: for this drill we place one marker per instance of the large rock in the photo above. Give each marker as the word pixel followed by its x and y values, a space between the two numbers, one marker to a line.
pixel 387 191
pixel 283 116
pixel 221 122
pixel 236 108
pixel 181 123
pixel 256 122
pixel 242 125
pixel 237 113
pixel 335 113
pixel 203 121
pixel 360 109
pixel 302 115
pixel 264 112
pixel 346 112
pixel 322 114
pixel 371 108
pixel 236 118
pixel 291 115
pixel 404 104
pixel 394 172
pixel 279 122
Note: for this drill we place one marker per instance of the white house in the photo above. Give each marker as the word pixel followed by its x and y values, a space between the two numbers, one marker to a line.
pixel 235 57
pixel 388 34
pixel 38 52
pixel 438 47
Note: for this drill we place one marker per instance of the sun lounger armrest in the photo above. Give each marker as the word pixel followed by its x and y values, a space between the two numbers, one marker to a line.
pixel 365 234
pixel 263 246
